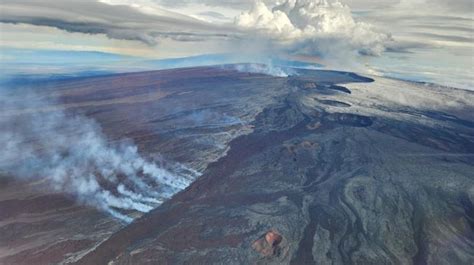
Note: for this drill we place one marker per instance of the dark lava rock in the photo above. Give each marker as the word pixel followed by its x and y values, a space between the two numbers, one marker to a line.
pixel 309 186
pixel 349 119
pixel 373 183
pixel 339 88
pixel 335 103
pixel 322 88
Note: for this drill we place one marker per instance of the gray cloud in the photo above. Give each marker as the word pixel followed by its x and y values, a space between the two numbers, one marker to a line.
pixel 401 26
pixel 446 37
pixel 238 4
pixel 212 14
pixel 462 29
pixel 115 21
pixel 129 23
pixel 459 6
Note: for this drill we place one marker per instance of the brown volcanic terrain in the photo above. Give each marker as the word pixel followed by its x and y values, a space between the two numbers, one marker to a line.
pixel 296 170
pixel 187 115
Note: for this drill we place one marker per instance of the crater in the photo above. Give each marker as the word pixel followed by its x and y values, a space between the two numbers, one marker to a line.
pixel 349 119
pixel 323 88
pixel 339 88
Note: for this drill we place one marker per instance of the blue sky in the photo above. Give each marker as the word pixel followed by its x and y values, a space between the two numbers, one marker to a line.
pixel 426 40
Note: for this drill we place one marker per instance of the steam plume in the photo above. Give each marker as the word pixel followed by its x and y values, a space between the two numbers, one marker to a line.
pixel 267 69
pixel 72 154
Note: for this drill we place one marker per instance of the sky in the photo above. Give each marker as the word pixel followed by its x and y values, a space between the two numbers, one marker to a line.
pixel 422 40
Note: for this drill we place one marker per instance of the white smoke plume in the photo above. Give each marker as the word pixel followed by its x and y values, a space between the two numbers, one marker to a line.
pixel 72 155
pixel 266 69
pixel 316 27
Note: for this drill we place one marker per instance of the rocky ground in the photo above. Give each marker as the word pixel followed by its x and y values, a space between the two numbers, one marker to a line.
pixel 188 116
pixel 320 168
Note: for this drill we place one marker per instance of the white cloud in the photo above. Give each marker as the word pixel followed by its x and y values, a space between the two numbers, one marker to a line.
pixel 275 24
pixel 320 28
pixel 313 27
pixel 332 31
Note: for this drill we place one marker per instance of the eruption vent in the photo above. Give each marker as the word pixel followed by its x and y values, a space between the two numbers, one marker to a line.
pixel 72 155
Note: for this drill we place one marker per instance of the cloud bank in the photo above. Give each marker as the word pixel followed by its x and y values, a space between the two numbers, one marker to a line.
pixel 316 27
pixel 327 32
pixel 115 21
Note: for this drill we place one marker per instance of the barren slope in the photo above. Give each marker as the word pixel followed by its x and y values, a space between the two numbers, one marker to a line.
pixel 368 173
pixel 186 115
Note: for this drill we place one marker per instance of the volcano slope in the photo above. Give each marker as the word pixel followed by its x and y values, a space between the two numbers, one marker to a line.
pixel 183 115
pixel 363 173
pixel 319 168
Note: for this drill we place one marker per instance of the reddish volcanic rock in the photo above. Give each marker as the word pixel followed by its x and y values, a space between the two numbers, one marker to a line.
pixel 268 244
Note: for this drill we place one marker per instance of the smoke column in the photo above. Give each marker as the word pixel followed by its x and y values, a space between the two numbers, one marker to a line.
pixel 72 155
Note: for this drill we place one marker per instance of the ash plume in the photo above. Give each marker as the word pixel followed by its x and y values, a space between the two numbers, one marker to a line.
pixel 70 154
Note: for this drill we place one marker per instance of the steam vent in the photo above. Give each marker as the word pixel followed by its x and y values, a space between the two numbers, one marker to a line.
pixel 321 167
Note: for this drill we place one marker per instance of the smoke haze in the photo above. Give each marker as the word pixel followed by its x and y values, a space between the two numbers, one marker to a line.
pixel 266 69
pixel 72 155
